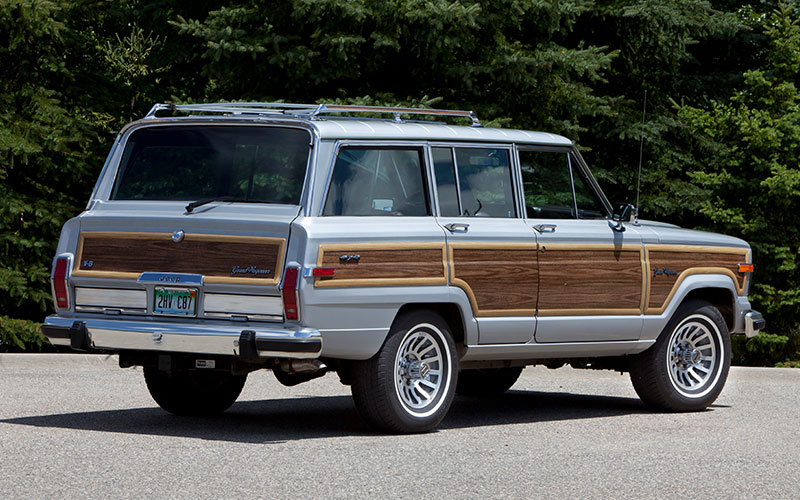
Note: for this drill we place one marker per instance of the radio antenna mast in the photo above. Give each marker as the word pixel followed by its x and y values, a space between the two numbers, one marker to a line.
pixel 641 147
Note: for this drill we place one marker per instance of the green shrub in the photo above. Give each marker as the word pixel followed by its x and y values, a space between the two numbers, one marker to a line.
pixel 767 349
pixel 18 335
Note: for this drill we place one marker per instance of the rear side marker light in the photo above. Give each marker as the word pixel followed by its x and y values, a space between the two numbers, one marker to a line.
pixel 289 293
pixel 60 283
pixel 746 268
pixel 322 271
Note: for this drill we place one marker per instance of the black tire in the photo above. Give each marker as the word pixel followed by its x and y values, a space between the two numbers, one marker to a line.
pixel 418 359
pixel 487 382
pixel 195 393
pixel 686 369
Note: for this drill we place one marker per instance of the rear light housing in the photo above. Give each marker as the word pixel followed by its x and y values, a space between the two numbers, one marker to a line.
pixel 289 292
pixel 59 280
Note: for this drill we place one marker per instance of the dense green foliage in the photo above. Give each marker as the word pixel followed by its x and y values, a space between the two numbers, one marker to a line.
pixel 720 137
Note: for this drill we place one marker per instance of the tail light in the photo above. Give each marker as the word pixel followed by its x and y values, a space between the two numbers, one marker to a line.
pixel 289 293
pixel 60 282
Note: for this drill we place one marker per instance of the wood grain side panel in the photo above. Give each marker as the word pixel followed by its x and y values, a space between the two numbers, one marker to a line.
pixel 219 259
pixel 681 263
pixel 500 281
pixel 590 281
pixel 383 265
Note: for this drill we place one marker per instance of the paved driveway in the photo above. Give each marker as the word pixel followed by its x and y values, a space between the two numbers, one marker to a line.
pixel 74 426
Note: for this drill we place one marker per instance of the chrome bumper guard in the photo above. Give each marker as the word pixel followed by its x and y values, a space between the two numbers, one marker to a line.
pixel 754 322
pixel 251 344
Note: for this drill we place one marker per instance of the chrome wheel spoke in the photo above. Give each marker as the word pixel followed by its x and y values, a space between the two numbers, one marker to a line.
pixel 692 356
pixel 421 369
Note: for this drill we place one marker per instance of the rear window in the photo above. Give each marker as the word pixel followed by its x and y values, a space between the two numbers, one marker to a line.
pixel 258 164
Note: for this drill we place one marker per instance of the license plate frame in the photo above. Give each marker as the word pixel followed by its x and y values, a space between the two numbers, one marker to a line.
pixel 176 301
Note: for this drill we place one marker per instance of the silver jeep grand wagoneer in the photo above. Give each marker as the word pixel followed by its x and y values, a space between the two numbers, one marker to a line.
pixel 415 259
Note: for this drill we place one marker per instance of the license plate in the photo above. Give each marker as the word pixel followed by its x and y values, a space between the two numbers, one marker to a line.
pixel 175 301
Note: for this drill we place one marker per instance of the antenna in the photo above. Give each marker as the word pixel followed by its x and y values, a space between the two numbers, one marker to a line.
pixel 641 146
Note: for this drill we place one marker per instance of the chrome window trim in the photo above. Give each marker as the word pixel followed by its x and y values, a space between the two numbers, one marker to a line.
pixel 572 187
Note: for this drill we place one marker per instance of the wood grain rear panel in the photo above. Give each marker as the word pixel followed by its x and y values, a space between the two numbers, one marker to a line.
pixel 220 259
pixel 591 279
pixel 668 266
pixel 499 279
pixel 382 264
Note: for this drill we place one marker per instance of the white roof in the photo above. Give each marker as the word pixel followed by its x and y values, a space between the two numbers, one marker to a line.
pixel 349 128
pixel 391 130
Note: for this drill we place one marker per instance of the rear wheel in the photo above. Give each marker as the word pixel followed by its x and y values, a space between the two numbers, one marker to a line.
pixel 197 393
pixel 487 382
pixel 688 365
pixel 409 385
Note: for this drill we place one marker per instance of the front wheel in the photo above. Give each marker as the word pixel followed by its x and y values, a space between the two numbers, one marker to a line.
pixel 688 365
pixel 195 393
pixel 409 385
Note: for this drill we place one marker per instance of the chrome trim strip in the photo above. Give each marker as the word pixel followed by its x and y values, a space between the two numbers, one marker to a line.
pixel 555 350
pixel 247 317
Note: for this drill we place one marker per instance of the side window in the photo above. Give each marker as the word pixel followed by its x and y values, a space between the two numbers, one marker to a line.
pixel 481 186
pixel 377 181
pixel 548 178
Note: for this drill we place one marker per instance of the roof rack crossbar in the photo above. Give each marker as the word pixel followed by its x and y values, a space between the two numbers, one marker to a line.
pixel 313 111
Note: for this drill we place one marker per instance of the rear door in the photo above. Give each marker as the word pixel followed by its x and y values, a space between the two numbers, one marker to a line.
pixel 591 276
pixel 491 252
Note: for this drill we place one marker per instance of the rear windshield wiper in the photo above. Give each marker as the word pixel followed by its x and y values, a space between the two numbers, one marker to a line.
pixel 199 203
pixel 191 206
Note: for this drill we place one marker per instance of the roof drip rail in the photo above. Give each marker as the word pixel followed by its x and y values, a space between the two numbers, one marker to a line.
pixel 312 111
pixel 396 112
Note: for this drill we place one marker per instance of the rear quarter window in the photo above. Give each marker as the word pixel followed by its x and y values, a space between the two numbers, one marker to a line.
pixel 377 181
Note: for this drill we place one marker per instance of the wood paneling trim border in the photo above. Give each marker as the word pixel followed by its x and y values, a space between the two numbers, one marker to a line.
pixel 739 279
pixel 121 235
pixel 384 264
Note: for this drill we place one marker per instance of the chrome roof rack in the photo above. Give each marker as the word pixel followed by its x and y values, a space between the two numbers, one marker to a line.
pixel 311 111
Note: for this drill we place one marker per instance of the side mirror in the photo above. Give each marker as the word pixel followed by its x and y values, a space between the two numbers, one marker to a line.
pixel 624 212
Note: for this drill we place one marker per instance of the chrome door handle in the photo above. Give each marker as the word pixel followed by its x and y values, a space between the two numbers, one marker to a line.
pixel 457 226
pixel 545 228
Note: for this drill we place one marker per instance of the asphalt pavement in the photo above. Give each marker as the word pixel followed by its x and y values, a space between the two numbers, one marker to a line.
pixel 77 426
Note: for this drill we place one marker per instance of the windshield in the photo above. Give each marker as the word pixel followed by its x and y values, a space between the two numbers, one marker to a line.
pixel 260 164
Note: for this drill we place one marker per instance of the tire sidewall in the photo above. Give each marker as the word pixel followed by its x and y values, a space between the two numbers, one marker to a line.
pixel 411 420
pixel 701 398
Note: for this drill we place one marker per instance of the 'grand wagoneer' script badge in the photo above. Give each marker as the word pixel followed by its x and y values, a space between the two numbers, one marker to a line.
pixel 249 270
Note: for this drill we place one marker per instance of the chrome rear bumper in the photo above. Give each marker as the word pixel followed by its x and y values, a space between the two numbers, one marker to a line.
pixel 249 343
